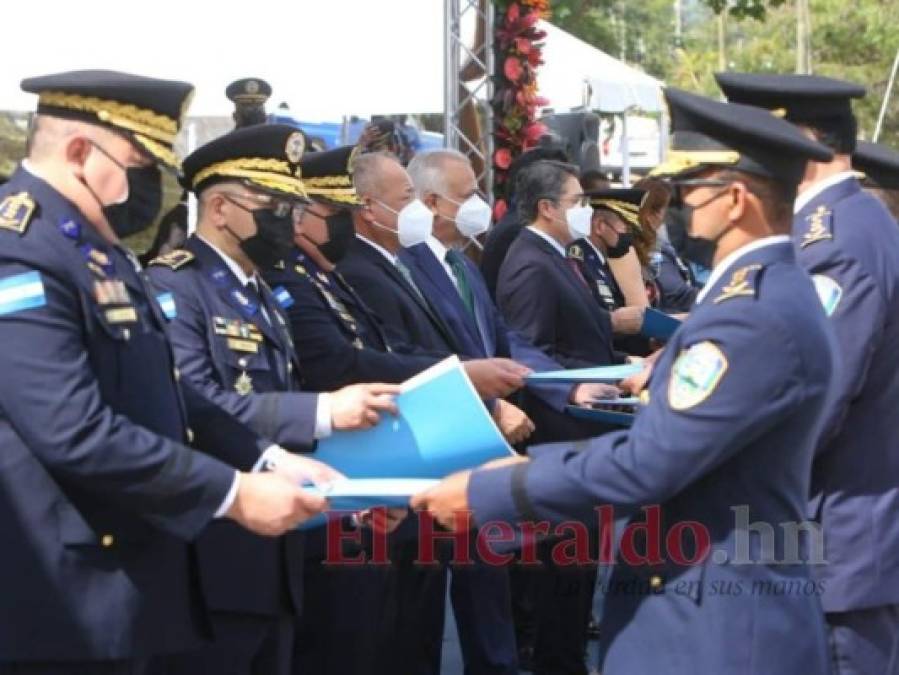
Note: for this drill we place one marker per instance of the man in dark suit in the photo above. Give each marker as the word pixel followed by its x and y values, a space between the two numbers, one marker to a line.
pixel 391 216
pixel 724 447
pixel 509 226
pixel 849 243
pixel 541 293
pixel 445 182
pixel 233 343
pixel 100 492
pixel 545 296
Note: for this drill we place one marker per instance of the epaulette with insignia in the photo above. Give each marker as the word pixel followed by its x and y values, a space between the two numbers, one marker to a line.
pixel 743 284
pixel 16 212
pixel 576 252
pixel 175 259
pixel 820 227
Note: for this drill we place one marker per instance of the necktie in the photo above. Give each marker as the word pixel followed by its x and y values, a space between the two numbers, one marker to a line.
pixel 407 275
pixel 457 265
pixel 253 287
pixel 572 263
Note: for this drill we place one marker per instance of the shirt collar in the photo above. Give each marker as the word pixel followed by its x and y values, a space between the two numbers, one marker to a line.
pixel 602 258
pixel 732 258
pixel 804 198
pixel 437 248
pixel 236 269
pixel 552 242
pixel 380 249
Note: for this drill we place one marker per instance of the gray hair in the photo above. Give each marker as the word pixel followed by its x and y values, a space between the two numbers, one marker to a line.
pixel 427 170
pixel 367 172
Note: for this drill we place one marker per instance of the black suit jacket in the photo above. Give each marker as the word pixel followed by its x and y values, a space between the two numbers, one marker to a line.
pixel 406 316
pixel 543 298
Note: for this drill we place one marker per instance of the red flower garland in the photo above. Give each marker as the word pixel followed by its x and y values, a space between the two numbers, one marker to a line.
pixel 515 102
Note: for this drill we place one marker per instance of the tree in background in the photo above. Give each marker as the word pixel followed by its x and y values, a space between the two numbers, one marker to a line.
pixel 678 42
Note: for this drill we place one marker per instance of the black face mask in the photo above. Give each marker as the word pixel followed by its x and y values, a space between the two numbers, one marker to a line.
pixel 340 235
pixel 140 210
pixel 273 240
pixel 698 251
pixel 620 249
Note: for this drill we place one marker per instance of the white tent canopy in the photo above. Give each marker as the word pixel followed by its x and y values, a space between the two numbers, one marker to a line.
pixel 577 74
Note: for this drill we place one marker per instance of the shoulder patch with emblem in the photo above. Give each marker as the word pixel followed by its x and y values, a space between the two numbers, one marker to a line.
pixel 695 375
pixel 22 291
pixel 743 284
pixel 175 259
pixel 829 292
pixel 575 251
pixel 16 212
pixel 820 227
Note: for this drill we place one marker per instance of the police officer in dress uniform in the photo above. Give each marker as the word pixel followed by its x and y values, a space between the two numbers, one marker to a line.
pixel 849 243
pixel 233 343
pixel 340 341
pixel 735 404
pixel 616 212
pixel 100 491
pixel 249 95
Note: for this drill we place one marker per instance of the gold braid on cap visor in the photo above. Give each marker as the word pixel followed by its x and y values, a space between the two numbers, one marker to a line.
pixel 273 174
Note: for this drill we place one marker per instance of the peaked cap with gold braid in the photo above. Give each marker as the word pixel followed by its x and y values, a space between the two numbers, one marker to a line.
pixel 623 202
pixel 265 157
pixel 147 110
pixel 328 175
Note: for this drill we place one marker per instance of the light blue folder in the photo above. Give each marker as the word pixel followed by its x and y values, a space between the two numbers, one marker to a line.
pixel 442 427
pixel 658 325
pixel 610 374
pixel 356 494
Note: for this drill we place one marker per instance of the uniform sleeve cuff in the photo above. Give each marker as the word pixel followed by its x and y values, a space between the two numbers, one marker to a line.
pixel 490 496
pixel 229 497
pixel 323 416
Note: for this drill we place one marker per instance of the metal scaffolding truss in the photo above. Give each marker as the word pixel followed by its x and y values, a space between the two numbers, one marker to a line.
pixel 468 85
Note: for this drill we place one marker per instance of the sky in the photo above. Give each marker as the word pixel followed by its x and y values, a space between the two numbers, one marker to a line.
pixel 323 57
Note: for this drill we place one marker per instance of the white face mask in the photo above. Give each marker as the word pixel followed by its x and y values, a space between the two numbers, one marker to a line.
pixel 414 222
pixel 473 217
pixel 579 219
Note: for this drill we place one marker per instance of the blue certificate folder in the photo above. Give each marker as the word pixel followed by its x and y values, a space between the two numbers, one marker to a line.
pixel 658 325
pixel 442 427
pixel 619 418
pixel 610 374
pixel 356 494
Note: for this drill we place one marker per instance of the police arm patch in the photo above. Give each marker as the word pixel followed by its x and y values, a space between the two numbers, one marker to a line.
pixel 20 292
pixel 695 375
pixel 829 292
pixel 167 305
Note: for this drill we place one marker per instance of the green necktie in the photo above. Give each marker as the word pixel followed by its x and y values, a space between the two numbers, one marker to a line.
pixel 457 265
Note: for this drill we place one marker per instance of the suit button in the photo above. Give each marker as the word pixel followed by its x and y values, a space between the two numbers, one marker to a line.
pixel 176 374
pixel 107 540
pixel 656 583
pixel 190 435
pixel 289 367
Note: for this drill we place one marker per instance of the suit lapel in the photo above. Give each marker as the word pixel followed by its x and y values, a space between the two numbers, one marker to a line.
pixel 428 266
pixel 390 269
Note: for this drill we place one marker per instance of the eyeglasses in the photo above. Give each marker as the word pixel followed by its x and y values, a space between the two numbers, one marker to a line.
pixel 281 208
pixel 678 188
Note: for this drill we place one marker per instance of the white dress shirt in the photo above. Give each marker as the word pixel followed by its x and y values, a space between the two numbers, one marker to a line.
pixel 555 244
